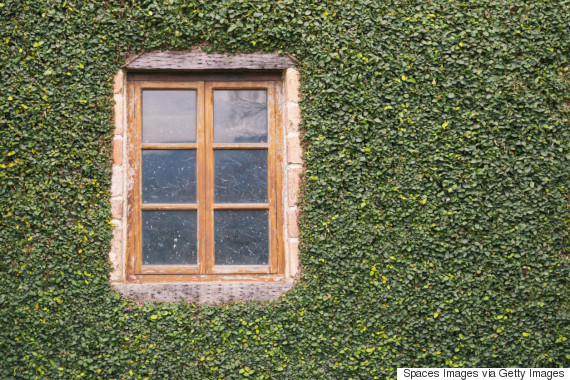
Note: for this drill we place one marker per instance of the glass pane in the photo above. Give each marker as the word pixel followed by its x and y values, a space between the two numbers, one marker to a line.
pixel 240 116
pixel 241 237
pixel 169 116
pixel 240 176
pixel 169 176
pixel 169 237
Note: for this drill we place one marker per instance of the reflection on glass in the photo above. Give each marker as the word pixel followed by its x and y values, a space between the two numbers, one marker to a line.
pixel 240 176
pixel 168 116
pixel 241 237
pixel 169 176
pixel 169 237
pixel 240 116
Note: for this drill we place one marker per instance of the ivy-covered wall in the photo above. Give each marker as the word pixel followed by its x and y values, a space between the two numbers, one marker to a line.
pixel 435 205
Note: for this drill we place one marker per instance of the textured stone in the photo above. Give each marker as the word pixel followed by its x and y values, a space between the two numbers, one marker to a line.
pixel 293 117
pixel 198 59
pixel 292 227
pixel 119 115
pixel 210 293
pixel 118 151
pixel 116 254
pixel 293 181
pixel 293 257
pixel 292 83
pixel 294 150
pixel 118 82
pixel 117 181
pixel 117 208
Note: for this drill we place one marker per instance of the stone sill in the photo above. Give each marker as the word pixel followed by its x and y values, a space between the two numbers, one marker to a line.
pixel 204 292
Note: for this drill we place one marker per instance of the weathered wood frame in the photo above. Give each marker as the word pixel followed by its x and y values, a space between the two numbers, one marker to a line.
pixel 205 270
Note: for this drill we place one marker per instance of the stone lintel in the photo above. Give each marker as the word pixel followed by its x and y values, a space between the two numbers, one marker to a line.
pixel 199 60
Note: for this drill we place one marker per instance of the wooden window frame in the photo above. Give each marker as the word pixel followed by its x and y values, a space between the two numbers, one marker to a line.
pixel 205 270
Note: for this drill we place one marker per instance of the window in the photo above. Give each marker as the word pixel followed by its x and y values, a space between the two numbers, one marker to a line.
pixel 205 167
pixel 182 149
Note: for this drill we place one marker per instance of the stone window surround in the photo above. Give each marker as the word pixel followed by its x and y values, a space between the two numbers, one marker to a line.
pixel 208 292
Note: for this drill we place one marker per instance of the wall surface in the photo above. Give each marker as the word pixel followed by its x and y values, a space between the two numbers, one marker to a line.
pixel 433 206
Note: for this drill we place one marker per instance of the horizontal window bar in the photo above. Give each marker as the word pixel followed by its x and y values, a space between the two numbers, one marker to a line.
pixel 240 146
pixel 169 146
pixel 241 269
pixel 190 277
pixel 169 269
pixel 241 206
pixel 169 206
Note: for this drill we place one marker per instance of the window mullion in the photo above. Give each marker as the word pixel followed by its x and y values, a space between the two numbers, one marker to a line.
pixel 208 154
pixel 201 175
pixel 273 177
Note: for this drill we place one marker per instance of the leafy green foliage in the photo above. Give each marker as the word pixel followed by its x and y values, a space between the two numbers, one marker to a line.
pixel 435 206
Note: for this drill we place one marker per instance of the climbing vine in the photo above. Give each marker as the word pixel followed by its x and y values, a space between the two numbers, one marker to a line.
pixel 435 205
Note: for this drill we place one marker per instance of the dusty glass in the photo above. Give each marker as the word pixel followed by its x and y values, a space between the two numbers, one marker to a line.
pixel 169 237
pixel 240 176
pixel 169 116
pixel 240 116
pixel 169 176
pixel 241 237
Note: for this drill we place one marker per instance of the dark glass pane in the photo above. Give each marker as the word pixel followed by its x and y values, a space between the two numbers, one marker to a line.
pixel 169 176
pixel 241 237
pixel 169 116
pixel 240 176
pixel 240 116
pixel 169 237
